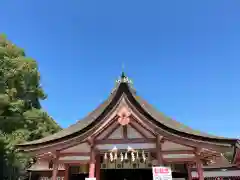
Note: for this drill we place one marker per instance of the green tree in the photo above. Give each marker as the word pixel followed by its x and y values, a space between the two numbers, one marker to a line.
pixel 21 116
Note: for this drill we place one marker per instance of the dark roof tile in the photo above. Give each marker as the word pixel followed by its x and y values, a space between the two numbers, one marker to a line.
pixel 121 88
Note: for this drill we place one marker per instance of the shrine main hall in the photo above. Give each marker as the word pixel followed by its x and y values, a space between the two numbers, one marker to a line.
pixel 124 138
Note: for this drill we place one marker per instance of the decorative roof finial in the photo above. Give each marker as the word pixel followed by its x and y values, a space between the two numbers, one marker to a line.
pixel 123 74
pixel 124 79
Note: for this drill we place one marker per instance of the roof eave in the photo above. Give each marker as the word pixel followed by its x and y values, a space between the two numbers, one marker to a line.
pixel 121 88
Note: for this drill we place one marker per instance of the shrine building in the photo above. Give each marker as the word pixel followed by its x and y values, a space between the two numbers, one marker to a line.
pixel 124 138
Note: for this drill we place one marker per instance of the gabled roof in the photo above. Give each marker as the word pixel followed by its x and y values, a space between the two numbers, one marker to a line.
pixel 124 87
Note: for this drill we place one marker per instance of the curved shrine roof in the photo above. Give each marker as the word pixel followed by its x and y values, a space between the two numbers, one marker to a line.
pixel 124 87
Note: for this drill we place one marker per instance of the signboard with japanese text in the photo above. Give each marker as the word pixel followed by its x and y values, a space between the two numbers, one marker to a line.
pixel 162 173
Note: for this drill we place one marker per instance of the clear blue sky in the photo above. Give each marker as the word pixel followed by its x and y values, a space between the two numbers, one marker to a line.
pixel 183 56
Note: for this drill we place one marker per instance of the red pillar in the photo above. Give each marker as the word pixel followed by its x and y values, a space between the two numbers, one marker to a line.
pixel 199 169
pixel 159 149
pixel 55 169
pixel 92 163
pixel 98 167
pixel 66 173
pixel 55 166
pixel 189 171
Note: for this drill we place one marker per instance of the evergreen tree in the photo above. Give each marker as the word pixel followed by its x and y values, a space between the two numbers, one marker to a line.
pixel 21 116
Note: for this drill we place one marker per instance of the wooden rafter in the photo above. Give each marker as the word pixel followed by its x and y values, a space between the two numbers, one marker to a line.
pixel 179 160
pixel 116 126
pixel 144 126
pixel 125 141
pixel 177 152
pixel 101 130
pixel 132 125
pixel 74 154
pixel 69 146
pixel 74 162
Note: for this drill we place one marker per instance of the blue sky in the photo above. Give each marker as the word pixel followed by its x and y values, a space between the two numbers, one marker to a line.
pixel 183 56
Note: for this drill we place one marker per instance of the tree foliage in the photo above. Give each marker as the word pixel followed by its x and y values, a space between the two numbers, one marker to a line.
pixel 21 116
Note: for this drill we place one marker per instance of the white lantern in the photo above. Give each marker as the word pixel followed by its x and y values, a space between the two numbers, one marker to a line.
pixel 126 156
pixel 105 156
pixel 121 156
pixel 111 156
pixel 115 156
pixel 133 156
pixel 143 156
